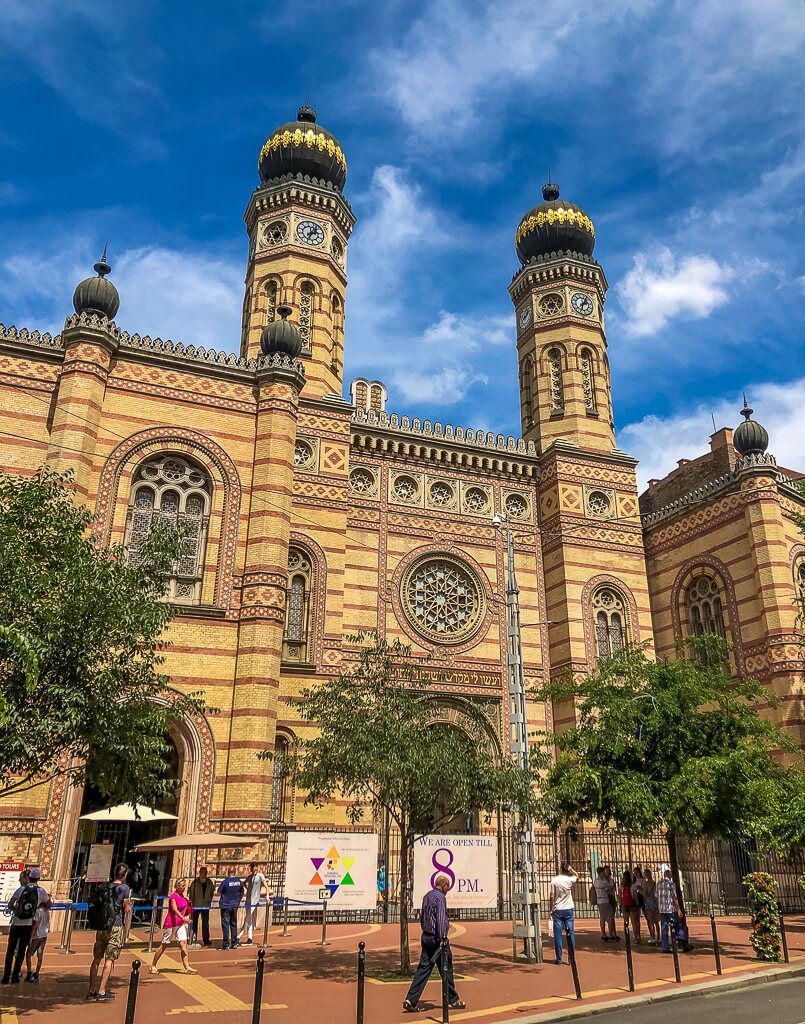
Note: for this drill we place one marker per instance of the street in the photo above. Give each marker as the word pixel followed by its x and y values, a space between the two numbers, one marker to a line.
pixel 779 1002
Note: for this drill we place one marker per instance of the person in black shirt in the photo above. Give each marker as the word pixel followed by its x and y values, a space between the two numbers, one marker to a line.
pixel 109 941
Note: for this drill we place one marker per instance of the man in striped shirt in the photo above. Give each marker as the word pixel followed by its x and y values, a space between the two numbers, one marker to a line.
pixel 435 927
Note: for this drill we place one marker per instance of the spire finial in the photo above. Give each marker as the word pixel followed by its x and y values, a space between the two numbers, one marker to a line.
pixel 550 191
pixel 102 267
pixel 284 311
pixel 746 412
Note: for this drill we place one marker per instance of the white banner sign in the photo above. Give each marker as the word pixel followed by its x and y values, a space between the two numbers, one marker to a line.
pixel 9 881
pixel 469 862
pixel 340 867
pixel 99 865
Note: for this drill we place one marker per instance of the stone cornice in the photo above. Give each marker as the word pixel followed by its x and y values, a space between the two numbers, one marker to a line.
pixel 556 267
pixel 20 340
pixel 566 450
pixel 279 367
pixel 276 195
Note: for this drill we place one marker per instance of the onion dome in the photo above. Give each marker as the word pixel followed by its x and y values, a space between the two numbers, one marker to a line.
pixel 303 148
pixel 750 438
pixel 554 226
pixel 96 294
pixel 281 336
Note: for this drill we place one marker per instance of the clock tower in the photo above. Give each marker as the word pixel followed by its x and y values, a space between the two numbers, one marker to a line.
pixel 558 296
pixel 299 225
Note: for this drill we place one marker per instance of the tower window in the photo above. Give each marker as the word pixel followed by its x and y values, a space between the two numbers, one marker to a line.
pixel 609 612
pixel 271 301
pixel 705 609
pixel 587 379
pixel 525 390
pixel 551 304
pixel 799 578
pixel 279 780
pixel 170 491
pixel 296 645
pixel 306 314
pixel 338 329
pixel 557 386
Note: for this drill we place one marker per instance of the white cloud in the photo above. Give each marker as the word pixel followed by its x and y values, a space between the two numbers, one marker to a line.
pixel 662 287
pixel 659 441
pixel 801 282
pixel 469 333
pixel 444 386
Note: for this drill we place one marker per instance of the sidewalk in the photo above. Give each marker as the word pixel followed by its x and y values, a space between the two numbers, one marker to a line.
pixel 309 984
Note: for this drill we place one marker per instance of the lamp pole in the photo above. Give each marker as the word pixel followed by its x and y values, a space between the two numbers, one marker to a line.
pixel 526 923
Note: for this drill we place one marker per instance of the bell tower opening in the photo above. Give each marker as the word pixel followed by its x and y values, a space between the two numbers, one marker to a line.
pixel 299 224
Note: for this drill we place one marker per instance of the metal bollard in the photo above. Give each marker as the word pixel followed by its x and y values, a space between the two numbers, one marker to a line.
pixel 69 929
pixel 784 939
pixel 361 979
pixel 323 924
pixel 629 964
pixel 675 951
pixel 257 1005
pixel 571 950
pixel 285 918
pixel 444 954
pixel 153 923
pixel 716 949
pixel 267 923
pixel 134 981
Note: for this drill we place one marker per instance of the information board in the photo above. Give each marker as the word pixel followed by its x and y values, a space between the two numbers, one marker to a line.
pixel 99 865
pixel 340 867
pixel 470 863
pixel 9 882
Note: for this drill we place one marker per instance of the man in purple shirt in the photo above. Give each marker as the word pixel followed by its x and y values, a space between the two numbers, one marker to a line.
pixel 435 927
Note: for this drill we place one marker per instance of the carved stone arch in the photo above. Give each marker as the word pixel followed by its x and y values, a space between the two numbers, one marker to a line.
pixel 122 463
pixel 633 634
pixel 550 347
pixel 444 710
pixel 708 565
pixel 319 560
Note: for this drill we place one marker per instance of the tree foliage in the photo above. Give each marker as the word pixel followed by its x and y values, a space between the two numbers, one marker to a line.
pixel 375 747
pixel 82 691
pixel 675 744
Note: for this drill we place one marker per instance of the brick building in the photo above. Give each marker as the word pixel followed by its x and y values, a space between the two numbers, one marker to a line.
pixel 317 515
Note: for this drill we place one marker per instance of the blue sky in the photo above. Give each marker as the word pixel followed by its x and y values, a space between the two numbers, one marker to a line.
pixel 677 126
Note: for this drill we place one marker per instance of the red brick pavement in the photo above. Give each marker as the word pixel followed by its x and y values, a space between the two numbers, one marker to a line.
pixel 308 984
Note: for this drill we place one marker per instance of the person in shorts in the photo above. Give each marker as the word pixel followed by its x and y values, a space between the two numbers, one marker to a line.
pixel 23 905
pixel 109 941
pixel 604 891
pixel 175 927
pixel 39 938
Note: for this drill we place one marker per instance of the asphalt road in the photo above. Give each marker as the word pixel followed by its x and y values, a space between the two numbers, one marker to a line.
pixel 779 1002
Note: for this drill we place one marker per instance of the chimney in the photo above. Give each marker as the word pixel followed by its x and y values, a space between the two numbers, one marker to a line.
pixel 721 439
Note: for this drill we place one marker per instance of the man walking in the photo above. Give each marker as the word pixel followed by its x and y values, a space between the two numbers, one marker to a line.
pixel 202 889
pixel 24 904
pixel 667 904
pixel 254 890
pixel 230 893
pixel 562 907
pixel 107 914
pixel 604 898
pixel 435 927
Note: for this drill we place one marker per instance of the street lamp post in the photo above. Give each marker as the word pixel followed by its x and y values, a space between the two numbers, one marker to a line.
pixel 526 923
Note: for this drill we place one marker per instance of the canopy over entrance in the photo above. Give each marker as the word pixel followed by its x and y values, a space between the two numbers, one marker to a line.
pixel 197 841
pixel 128 812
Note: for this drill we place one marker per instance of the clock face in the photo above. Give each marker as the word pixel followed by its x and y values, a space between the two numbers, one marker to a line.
pixel 582 303
pixel 525 318
pixel 309 232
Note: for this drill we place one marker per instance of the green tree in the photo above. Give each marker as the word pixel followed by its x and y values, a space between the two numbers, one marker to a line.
pixel 82 691
pixel 374 746
pixel 675 744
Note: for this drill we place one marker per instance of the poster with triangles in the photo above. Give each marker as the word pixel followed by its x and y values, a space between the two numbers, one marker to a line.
pixel 339 867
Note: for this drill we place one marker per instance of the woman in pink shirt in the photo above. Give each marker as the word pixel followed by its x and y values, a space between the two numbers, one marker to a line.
pixel 175 927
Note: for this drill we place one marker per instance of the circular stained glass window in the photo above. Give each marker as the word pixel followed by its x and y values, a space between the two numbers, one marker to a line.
pixel 442 598
pixel 361 481
pixel 598 504
pixel 476 500
pixel 405 488
pixel 275 233
pixel 302 453
pixel 516 506
pixel 441 493
pixel 550 305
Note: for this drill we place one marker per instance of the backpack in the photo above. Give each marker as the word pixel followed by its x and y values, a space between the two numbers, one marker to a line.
pixel 102 908
pixel 592 895
pixel 28 903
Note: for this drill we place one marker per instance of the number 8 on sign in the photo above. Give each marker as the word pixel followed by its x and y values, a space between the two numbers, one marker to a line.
pixel 442 869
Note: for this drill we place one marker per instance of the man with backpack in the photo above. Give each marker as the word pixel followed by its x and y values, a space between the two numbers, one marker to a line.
pixel 107 911
pixel 24 904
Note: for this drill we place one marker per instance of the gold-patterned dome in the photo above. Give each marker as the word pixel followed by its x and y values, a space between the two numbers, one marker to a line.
pixel 302 148
pixel 554 226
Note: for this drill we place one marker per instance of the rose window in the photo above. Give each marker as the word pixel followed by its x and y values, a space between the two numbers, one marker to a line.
pixel 442 599
pixel 361 481
pixel 441 494
pixel 275 233
pixel 302 453
pixel 516 506
pixel 476 500
pixel 337 250
pixel 552 304
pixel 405 488
pixel 598 504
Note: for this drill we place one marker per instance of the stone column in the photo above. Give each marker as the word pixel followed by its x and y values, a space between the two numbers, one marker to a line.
pixel 262 611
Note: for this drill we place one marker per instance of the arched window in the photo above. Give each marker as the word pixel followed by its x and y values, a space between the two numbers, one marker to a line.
pixel 271 301
pixel 376 402
pixel 306 293
pixel 610 619
pixel 799 580
pixel 527 398
pixel 361 394
pixel 244 322
pixel 297 646
pixel 170 490
pixel 705 610
pixel 557 387
pixel 338 329
pixel 587 379
pixel 279 780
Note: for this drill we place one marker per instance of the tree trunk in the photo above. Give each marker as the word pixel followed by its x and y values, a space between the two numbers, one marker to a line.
pixel 673 860
pixel 405 953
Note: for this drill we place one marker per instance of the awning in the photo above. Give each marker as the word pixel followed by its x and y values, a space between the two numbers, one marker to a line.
pixel 197 841
pixel 129 812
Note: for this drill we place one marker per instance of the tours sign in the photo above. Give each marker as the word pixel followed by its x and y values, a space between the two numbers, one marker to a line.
pixel 469 863
pixel 337 867
pixel 9 879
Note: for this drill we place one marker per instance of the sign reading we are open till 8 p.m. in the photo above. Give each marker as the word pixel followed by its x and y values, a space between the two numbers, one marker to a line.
pixel 470 864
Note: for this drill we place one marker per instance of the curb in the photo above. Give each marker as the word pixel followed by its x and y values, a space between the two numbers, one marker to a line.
pixel 678 992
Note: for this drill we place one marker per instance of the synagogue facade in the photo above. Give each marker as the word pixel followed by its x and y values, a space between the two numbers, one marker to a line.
pixel 316 513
